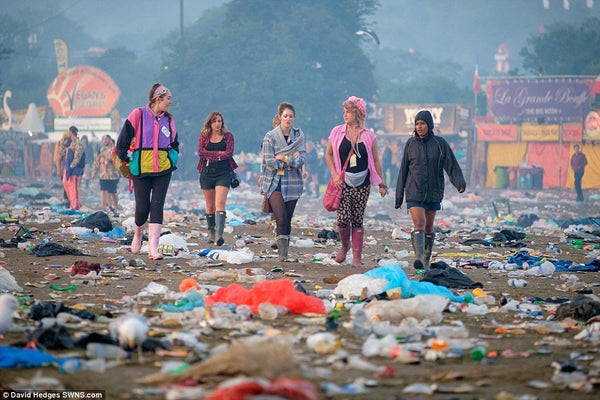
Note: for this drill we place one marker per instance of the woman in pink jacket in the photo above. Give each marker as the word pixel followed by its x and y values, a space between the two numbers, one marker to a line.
pixel 358 144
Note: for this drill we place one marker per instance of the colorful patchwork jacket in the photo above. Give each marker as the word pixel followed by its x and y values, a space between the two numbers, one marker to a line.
pixel 155 150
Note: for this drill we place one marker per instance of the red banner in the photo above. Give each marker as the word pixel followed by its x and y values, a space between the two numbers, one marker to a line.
pixel 572 132
pixel 497 133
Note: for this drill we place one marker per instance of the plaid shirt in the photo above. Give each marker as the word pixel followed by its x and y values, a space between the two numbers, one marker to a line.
pixel 291 180
pixel 211 156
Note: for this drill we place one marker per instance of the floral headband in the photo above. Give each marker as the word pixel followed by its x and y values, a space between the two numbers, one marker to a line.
pixel 360 104
pixel 160 91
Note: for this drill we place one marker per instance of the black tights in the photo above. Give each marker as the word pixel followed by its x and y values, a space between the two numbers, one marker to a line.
pixel 283 212
pixel 150 193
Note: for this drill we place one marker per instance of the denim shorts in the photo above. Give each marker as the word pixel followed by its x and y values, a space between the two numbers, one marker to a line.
pixel 110 185
pixel 427 206
pixel 215 176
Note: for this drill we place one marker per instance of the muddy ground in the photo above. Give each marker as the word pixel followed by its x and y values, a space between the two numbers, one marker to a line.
pixel 518 353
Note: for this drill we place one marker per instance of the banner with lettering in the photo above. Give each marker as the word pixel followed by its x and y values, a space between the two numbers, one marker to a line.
pixel 540 133
pixel 82 91
pixel 497 133
pixel 62 55
pixel 539 99
pixel 572 132
pixel 399 119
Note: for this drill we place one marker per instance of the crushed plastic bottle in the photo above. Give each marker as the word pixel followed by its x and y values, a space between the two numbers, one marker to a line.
pixel 323 342
pixel 267 311
pixel 517 282
pixel 74 365
pixel 106 351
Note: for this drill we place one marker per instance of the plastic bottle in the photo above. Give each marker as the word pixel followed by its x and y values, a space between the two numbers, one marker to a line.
pixel 547 268
pixel 322 342
pixel 530 309
pixel 510 266
pixel 401 254
pixel 244 312
pixel 517 282
pixel 387 261
pixel 304 243
pixel 494 264
pixel 106 351
pixel 478 353
pixel 267 311
pixel 74 365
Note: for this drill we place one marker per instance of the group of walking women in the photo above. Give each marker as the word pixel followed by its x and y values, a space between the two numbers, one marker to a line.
pixel 148 140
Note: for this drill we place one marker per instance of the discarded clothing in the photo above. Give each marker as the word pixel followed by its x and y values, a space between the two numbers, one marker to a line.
pixel 99 220
pixel 82 267
pixel 442 274
pixel 51 309
pixel 580 308
pixel 54 249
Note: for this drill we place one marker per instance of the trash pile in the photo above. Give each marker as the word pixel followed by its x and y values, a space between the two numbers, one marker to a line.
pixel 233 321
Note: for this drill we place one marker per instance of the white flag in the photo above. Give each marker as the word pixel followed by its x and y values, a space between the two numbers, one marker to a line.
pixel 590 3
pixel 566 4
pixel 546 3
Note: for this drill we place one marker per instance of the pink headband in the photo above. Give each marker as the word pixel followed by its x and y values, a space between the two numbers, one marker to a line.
pixel 360 104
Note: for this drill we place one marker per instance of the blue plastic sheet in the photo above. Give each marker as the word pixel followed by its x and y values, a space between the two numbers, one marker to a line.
pixel 397 278
pixel 14 357
pixel 523 256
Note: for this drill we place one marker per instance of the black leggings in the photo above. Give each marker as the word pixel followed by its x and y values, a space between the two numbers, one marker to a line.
pixel 150 193
pixel 283 212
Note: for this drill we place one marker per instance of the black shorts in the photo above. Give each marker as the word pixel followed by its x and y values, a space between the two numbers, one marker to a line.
pixel 215 176
pixel 110 185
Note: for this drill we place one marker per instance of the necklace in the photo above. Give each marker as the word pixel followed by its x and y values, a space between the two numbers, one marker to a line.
pixel 354 143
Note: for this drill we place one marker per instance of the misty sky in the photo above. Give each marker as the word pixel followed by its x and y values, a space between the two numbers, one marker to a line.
pixel 466 32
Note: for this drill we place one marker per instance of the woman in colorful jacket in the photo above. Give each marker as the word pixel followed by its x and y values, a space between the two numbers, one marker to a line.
pixel 352 140
pixel 148 141
pixel 216 165
pixel 281 180
pixel 421 178
pixel 109 176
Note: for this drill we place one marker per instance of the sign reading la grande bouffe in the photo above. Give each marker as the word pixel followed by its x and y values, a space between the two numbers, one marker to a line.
pixel 535 99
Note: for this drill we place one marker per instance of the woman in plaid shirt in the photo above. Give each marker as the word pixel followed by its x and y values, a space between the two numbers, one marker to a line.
pixel 281 180
pixel 215 149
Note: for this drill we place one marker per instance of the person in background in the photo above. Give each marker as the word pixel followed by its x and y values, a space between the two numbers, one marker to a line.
pixel 216 165
pixel 85 145
pixel 60 152
pixel 421 180
pixel 386 161
pixel 578 163
pixel 108 174
pixel 152 162
pixel 74 167
pixel 283 151
pixel 311 169
pixel 353 141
